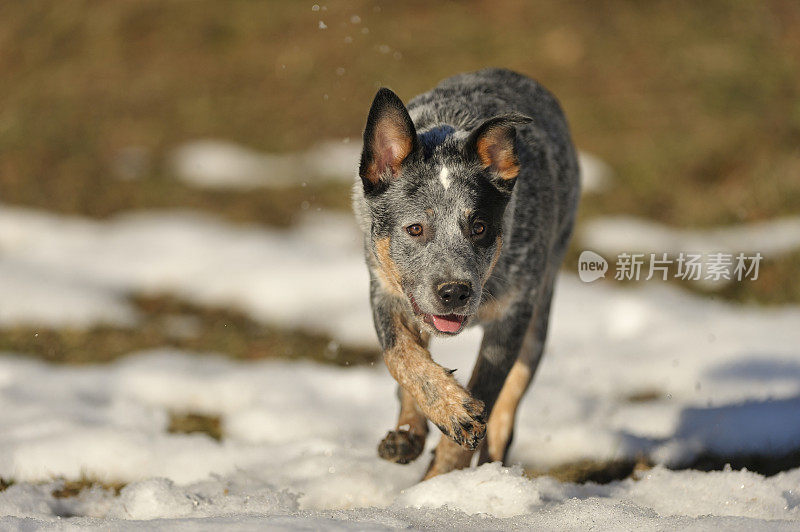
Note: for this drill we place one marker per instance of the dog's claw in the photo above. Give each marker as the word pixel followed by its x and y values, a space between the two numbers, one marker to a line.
pixel 469 427
pixel 401 446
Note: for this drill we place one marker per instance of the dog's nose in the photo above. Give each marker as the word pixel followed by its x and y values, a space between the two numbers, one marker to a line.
pixel 454 295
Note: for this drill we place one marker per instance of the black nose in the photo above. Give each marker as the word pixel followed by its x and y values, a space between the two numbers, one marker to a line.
pixel 454 295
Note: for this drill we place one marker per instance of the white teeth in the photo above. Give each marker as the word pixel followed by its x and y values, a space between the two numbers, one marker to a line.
pixel 444 177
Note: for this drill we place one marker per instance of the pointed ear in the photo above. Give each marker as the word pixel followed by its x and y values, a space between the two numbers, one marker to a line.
pixel 493 142
pixel 389 138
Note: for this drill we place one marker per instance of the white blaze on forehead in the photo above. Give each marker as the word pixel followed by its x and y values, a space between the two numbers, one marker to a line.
pixel 444 177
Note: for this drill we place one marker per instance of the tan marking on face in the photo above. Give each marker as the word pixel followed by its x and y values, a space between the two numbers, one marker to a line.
pixel 499 154
pixel 387 270
pixel 501 420
pixel 495 258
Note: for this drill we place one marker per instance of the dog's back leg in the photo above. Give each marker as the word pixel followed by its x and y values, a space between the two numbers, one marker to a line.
pixel 500 427
pixel 448 456
pixel 406 442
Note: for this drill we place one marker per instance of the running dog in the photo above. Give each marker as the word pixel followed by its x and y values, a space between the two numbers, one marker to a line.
pixel 467 200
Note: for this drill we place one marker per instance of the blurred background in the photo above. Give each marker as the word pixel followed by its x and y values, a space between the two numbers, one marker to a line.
pixel 177 175
pixel 687 113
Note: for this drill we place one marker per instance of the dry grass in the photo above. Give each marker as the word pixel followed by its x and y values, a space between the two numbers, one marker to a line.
pixel 599 472
pixel 603 472
pixel 695 105
pixel 193 423
pixel 644 396
pixel 73 488
pixel 168 321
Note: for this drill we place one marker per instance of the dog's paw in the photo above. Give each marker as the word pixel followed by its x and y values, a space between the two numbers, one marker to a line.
pixel 466 425
pixel 401 446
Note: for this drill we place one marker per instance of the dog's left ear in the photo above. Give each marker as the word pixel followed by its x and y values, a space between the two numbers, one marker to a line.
pixel 389 138
pixel 494 144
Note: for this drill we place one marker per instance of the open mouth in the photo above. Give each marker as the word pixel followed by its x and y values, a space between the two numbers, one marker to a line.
pixel 446 323
pixel 450 323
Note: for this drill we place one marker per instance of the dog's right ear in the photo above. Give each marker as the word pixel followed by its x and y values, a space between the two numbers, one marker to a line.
pixel 389 138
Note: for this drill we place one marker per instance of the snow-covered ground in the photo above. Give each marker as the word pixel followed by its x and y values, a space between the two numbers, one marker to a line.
pixel 300 451
pixel 615 234
pixel 301 438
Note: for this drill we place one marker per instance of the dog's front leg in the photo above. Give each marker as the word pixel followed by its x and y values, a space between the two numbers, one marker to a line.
pixel 437 394
pixel 440 397
pixel 500 348
pixel 406 442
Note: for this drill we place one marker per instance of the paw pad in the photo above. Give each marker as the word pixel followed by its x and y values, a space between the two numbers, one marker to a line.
pixel 401 446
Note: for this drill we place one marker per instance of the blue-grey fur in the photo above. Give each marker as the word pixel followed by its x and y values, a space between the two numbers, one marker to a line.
pixel 534 214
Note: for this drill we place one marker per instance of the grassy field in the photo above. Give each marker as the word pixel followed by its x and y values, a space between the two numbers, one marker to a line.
pixel 695 105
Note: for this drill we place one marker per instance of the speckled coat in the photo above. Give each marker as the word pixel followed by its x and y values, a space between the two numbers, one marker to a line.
pixel 467 200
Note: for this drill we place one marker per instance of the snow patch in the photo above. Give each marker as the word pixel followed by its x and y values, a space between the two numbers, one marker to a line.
pixel 613 235
pixel 490 489
pixel 300 439
pixel 221 164
pixel 218 164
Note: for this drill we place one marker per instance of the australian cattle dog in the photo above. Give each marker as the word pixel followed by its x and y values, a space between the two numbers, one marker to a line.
pixel 466 199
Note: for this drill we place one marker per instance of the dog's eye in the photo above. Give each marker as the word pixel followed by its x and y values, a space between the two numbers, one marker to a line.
pixel 414 229
pixel 478 228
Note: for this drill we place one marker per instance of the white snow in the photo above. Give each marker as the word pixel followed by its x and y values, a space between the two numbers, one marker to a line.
pixel 226 165
pixel 221 164
pixel 88 266
pixel 491 489
pixel 301 438
pixel 596 174
pixel 28 296
pixel 616 234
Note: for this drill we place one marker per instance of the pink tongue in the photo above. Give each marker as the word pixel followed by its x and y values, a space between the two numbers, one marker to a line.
pixel 450 323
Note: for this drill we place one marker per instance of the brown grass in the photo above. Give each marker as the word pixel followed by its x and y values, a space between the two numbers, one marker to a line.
pixel 73 488
pixel 168 321
pixel 193 422
pixel 603 472
pixel 695 105
pixel 599 472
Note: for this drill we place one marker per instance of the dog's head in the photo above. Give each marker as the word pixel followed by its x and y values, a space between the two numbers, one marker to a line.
pixel 436 203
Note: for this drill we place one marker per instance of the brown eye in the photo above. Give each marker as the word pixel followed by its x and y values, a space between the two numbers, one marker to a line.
pixel 478 228
pixel 414 229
